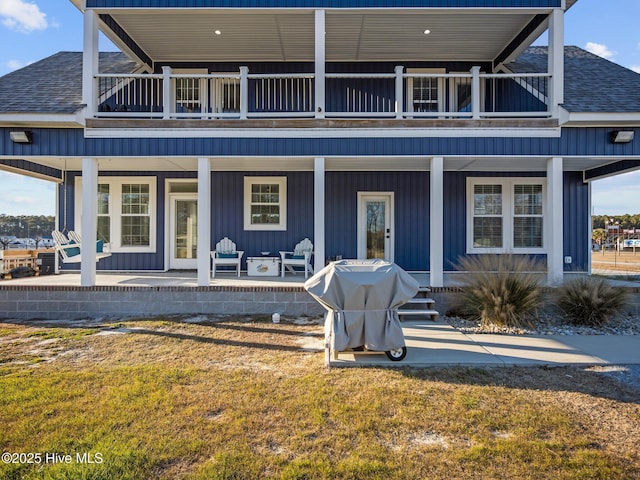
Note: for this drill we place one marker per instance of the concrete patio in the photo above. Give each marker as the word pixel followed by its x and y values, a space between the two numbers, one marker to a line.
pixel 440 344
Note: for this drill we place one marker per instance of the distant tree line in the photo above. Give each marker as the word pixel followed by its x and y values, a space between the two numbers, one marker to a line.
pixel 625 221
pixel 26 226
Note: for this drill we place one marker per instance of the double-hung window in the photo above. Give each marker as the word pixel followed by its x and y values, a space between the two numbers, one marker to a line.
pixel 189 91
pixel 505 215
pixel 126 212
pixel 265 203
pixel 425 93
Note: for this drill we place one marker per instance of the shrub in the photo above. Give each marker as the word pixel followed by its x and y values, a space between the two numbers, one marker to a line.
pixel 590 301
pixel 500 289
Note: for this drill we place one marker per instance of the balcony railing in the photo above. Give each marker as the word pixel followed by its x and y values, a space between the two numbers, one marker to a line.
pixel 398 95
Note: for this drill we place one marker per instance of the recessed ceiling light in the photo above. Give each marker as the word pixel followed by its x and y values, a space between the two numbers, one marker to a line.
pixel 217 32
pixel 427 31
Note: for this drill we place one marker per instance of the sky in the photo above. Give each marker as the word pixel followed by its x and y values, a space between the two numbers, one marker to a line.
pixel 31 30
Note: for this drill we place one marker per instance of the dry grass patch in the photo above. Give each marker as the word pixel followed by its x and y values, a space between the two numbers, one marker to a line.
pixel 238 399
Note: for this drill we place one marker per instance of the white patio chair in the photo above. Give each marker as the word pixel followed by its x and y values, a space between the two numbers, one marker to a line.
pixel 69 249
pixel 226 254
pixel 300 257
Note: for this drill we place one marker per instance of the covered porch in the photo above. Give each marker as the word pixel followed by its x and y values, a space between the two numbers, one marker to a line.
pixel 321 217
pixel 230 45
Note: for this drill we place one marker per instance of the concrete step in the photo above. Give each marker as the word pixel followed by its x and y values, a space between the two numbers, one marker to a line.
pixel 433 314
pixel 421 301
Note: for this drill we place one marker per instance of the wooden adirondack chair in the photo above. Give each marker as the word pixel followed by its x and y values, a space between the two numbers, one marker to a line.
pixel 226 254
pixel 299 257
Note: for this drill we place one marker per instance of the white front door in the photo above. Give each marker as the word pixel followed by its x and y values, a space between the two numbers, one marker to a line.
pixel 375 225
pixel 183 227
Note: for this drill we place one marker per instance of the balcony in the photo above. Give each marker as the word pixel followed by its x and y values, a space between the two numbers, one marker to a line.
pixel 407 97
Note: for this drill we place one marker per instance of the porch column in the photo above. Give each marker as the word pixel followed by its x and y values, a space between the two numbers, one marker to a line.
pixel 318 214
pixel 436 224
pixel 167 93
pixel 204 221
pixel 555 237
pixel 556 61
pixel 90 62
pixel 89 222
pixel 590 229
pixel 399 70
pixel 320 63
pixel 56 256
pixel 475 92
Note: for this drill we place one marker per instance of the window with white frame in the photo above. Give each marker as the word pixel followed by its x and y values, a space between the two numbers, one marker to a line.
pixel 126 212
pixel 189 91
pixel 505 215
pixel 265 203
pixel 425 94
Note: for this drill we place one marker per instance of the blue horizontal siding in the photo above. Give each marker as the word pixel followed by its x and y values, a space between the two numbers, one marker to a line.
pixel 71 142
pixel 321 3
pixel 227 216
pixel 576 241
pixel 576 223
pixel 455 212
pixel 122 261
pixel 227 213
pixel 411 202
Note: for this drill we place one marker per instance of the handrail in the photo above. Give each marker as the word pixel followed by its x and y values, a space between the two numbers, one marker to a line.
pixel 400 95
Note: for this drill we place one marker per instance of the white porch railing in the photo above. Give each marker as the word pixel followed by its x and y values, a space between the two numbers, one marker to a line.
pixel 399 95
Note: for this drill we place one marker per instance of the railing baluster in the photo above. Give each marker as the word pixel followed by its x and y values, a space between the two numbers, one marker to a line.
pixel 397 95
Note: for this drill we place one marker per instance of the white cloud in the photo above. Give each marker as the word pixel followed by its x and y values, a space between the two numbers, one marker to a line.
pixel 600 50
pixel 22 16
pixel 635 68
pixel 21 195
pixel 16 64
pixel 616 195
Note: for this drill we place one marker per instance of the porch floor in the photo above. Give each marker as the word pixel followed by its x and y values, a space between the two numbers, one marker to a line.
pixel 189 278
pixel 173 278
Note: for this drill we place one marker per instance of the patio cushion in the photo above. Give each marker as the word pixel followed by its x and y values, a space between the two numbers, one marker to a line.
pixel 227 255
pixel 100 246
pixel 72 252
pixel 297 257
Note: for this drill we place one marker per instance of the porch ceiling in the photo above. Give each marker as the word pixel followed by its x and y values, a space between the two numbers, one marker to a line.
pixel 288 35
pixel 283 164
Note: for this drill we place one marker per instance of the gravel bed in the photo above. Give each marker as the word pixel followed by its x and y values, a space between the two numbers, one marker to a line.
pixel 553 325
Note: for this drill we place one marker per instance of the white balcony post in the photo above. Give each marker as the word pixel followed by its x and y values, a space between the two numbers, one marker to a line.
pixel 436 224
pixel 89 222
pixel 90 62
pixel 475 92
pixel 555 236
pixel 318 214
pixel 167 104
pixel 556 61
pixel 244 92
pixel 204 221
pixel 320 64
pixel 399 91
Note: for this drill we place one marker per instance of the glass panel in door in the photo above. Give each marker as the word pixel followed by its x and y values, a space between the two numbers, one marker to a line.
pixel 376 228
pixel 186 236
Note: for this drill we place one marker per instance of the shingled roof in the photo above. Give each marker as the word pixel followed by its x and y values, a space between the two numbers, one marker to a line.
pixel 54 84
pixel 592 84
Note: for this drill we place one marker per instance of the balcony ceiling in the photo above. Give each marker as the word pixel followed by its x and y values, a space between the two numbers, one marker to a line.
pixel 288 35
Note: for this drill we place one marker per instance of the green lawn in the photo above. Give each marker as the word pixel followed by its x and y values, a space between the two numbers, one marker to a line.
pixel 249 400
